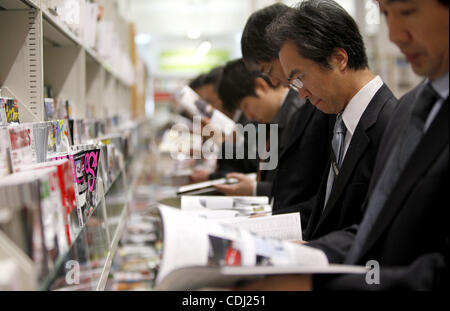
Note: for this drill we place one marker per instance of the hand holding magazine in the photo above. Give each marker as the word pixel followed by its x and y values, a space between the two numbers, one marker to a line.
pixel 199 253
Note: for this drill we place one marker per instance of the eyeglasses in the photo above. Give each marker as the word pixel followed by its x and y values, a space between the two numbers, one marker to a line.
pixel 297 83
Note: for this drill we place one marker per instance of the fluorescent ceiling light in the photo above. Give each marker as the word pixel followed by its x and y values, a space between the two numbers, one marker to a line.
pixel 193 34
pixel 142 39
pixel 202 50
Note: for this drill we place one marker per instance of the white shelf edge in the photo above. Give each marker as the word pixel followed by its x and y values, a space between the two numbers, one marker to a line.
pixel 115 242
pixel 47 16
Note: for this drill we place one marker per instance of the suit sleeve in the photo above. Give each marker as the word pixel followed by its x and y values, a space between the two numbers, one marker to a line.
pixel 336 244
pixel 428 272
pixel 304 208
pixel 264 188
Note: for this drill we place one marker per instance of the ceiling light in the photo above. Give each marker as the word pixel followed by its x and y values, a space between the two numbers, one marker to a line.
pixel 194 34
pixel 202 50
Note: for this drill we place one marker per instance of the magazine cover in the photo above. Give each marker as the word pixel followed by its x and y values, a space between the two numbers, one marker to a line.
pixel 85 166
pixel 22 154
pixel 12 111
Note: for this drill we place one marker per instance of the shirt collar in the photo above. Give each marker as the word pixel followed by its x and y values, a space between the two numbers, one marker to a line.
pixel 441 86
pixel 358 104
pixel 237 116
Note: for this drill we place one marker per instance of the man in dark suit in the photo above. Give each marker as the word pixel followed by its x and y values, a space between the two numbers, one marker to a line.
pixel 327 63
pixel 205 85
pixel 303 158
pixel 406 224
pixel 264 103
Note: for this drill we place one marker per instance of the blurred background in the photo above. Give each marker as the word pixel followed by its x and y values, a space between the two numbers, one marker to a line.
pixel 178 39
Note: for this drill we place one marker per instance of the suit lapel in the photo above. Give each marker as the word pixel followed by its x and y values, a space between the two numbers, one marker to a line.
pixel 360 142
pixel 429 148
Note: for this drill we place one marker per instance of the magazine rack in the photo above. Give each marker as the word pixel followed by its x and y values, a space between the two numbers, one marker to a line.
pixel 40 50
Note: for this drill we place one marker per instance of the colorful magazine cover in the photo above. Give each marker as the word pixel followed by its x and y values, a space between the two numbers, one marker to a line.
pixel 85 166
pixel 12 111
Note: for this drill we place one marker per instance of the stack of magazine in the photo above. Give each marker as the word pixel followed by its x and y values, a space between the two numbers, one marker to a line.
pixel 49 186
pixel 35 213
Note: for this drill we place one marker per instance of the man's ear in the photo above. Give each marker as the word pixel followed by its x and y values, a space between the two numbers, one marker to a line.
pixel 339 59
pixel 261 86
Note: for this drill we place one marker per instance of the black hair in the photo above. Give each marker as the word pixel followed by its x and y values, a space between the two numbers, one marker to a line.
pixel 197 82
pixel 254 44
pixel 445 2
pixel 237 83
pixel 213 77
pixel 318 27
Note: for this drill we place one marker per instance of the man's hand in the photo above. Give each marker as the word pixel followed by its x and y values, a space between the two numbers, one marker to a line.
pixel 199 175
pixel 244 187
pixel 292 282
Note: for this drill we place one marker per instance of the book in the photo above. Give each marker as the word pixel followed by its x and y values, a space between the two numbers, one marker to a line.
pixel 208 186
pixel 199 253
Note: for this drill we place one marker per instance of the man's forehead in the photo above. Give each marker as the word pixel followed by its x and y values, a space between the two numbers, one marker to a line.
pixel 389 2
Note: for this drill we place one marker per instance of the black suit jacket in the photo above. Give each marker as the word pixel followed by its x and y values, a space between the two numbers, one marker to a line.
pixel 245 166
pixel 302 163
pixel 350 187
pixel 284 119
pixel 410 238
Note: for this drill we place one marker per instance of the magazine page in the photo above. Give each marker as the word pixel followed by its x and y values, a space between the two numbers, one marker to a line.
pixel 282 227
pixel 193 103
pixel 189 203
pixel 177 231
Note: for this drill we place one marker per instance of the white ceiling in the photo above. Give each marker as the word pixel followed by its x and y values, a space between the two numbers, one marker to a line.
pixel 177 17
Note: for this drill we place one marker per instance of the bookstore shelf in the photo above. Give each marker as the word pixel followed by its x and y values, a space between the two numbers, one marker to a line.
pixel 20 4
pixel 100 213
pixel 49 63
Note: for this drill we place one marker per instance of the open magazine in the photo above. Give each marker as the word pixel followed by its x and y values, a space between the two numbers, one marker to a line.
pixel 199 253
pixel 192 102
pixel 208 186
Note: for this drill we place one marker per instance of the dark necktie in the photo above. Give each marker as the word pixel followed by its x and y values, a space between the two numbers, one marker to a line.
pixel 337 155
pixel 398 158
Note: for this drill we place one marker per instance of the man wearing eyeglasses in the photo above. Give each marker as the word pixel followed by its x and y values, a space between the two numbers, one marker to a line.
pixel 303 160
pixel 323 57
